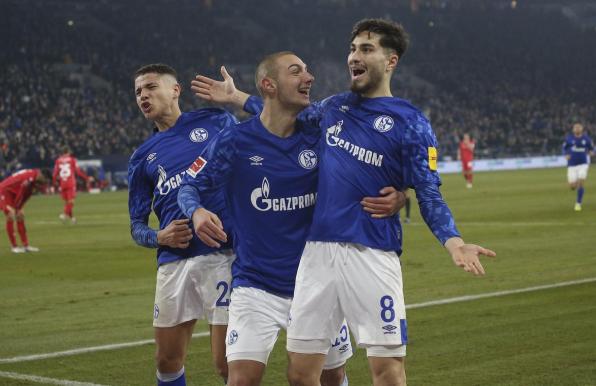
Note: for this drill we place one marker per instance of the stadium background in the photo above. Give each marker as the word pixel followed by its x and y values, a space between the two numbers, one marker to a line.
pixel 515 74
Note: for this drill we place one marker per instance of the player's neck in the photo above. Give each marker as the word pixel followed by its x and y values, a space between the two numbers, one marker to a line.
pixel 278 121
pixel 383 90
pixel 168 119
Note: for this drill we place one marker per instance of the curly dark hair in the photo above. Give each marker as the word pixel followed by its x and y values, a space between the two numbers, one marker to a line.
pixel 393 35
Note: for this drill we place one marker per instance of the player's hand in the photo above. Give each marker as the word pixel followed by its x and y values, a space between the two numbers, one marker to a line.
pixel 208 227
pixel 466 255
pixel 387 204
pixel 176 235
pixel 567 157
pixel 224 92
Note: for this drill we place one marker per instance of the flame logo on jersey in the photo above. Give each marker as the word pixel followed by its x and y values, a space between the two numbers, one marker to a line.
pixel 165 184
pixel 332 135
pixel 260 200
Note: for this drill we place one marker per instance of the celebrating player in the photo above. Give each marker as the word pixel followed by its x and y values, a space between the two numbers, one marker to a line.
pixel 351 268
pixel 268 167
pixel 66 169
pixel 15 191
pixel 466 155
pixel 192 278
pixel 577 149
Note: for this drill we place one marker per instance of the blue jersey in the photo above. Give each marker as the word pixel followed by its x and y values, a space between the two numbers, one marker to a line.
pixel 578 149
pixel 369 144
pixel 270 186
pixel 155 172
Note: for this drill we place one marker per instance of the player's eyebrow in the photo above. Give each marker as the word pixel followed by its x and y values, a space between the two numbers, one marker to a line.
pixel 296 66
pixel 144 86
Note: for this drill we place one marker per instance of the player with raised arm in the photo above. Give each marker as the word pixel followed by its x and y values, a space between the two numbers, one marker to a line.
pixel 466 156
pixel 351 268
pixel 65 175
pixel 15 191
pixel 192 278
pixel 578 147
pixel 268 167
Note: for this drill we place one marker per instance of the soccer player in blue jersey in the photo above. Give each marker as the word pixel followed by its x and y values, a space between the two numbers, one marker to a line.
pixel 578 147
pixel 268 167
pixel 192 278
pixel 350 266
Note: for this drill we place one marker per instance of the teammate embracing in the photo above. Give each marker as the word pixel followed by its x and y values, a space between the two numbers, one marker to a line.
pixel 268 167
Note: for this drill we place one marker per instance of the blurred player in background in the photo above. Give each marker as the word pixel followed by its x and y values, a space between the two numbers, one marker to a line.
pixel 466 155
pixel 193 280
pixel 578 148
pixel 65 175
pixel 15 191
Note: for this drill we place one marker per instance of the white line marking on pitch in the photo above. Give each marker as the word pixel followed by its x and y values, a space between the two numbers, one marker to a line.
pixel 86 350
pixel 499 293
pixel 202 334
pixel 50 381
pixel 512 224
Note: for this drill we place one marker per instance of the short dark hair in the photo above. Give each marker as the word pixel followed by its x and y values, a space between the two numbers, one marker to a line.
pixel 155 68
pixel 267 67
pixel 393 35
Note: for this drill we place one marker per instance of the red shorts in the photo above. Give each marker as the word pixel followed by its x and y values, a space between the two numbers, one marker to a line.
pixel 7 199
pixel 68 193
pixel 467 165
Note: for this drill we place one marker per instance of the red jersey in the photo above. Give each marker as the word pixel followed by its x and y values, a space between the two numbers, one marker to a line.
pixel 20 186
pixel 66 170
pixel 466 151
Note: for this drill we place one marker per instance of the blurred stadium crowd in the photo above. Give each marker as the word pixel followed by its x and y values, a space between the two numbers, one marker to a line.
pixel 514 74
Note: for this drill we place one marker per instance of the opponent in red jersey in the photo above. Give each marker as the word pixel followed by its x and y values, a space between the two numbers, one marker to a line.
pixel 14 193
pixel 466 155
pixel 65 172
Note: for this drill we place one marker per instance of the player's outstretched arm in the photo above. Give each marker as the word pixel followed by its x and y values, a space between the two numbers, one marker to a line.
pixel 176 235
pixel 208 227
pixel 224 92
pixel 387 204
pixel 466 256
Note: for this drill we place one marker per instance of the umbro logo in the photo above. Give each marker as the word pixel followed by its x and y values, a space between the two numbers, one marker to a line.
pixel 389 329
pixel 256 160
pixel 344 108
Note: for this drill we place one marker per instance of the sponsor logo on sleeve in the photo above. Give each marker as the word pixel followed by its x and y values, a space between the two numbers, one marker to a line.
pixel 432 158
pixel 196 167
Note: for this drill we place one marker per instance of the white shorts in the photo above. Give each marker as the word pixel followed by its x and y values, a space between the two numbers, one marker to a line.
pixel 194 288
pixel 345 280
pixel 257 316
pixel 577 172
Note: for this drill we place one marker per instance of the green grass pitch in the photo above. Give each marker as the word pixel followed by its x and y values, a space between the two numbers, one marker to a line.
pixel 91 285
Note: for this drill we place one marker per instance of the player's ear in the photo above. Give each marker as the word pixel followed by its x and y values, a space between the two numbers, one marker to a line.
pixel 392 61
pixel 177 90
pixel 268 85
